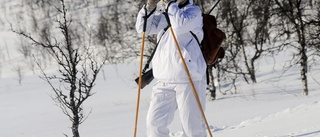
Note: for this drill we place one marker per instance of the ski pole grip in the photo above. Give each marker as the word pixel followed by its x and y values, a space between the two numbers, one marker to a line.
pixel 145 19
pixel 146 16
pixel 167 15
pixel 167 18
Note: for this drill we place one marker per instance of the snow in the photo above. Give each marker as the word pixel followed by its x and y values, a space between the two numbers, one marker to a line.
pixel 274 107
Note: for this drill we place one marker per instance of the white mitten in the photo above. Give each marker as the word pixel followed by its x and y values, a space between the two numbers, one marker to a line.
pixel 151 4
pixel 165 3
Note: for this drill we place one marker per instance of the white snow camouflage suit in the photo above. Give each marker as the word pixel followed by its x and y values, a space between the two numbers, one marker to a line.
pixel 172 90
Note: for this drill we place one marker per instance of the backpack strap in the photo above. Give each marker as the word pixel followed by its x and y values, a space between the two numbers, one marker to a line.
pixel 207 69
pixel 146 17
pixel 153 52
pixel 195 36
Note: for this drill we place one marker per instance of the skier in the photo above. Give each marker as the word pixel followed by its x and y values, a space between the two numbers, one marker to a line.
pixel 172 90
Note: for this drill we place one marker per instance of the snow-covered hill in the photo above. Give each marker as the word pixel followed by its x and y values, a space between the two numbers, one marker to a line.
pixel 274 107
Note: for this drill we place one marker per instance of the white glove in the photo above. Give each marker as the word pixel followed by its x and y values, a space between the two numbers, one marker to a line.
pixel 151 4
pixel 165 3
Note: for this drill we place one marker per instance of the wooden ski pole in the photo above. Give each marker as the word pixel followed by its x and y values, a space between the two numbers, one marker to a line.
pixel 139 86
pixel 189 76
pixel 140 73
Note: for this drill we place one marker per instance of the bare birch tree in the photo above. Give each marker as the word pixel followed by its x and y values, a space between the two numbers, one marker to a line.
pixel 295 17
pixel 78 66
pixel 314 29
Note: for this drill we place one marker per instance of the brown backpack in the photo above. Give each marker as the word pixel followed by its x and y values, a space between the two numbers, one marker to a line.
pixel 212 40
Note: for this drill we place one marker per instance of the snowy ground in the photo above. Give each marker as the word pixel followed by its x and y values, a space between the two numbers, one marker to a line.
pixel 275 107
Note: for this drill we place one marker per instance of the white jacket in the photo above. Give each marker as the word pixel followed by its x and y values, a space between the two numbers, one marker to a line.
pixel 166 63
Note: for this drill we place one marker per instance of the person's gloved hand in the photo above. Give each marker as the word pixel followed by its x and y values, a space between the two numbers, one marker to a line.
pixel 165 3
pixel 151 4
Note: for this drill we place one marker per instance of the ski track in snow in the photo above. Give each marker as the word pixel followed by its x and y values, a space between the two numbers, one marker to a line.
pixel 277 120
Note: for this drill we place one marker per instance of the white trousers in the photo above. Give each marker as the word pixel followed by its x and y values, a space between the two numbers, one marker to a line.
pixel 166 98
